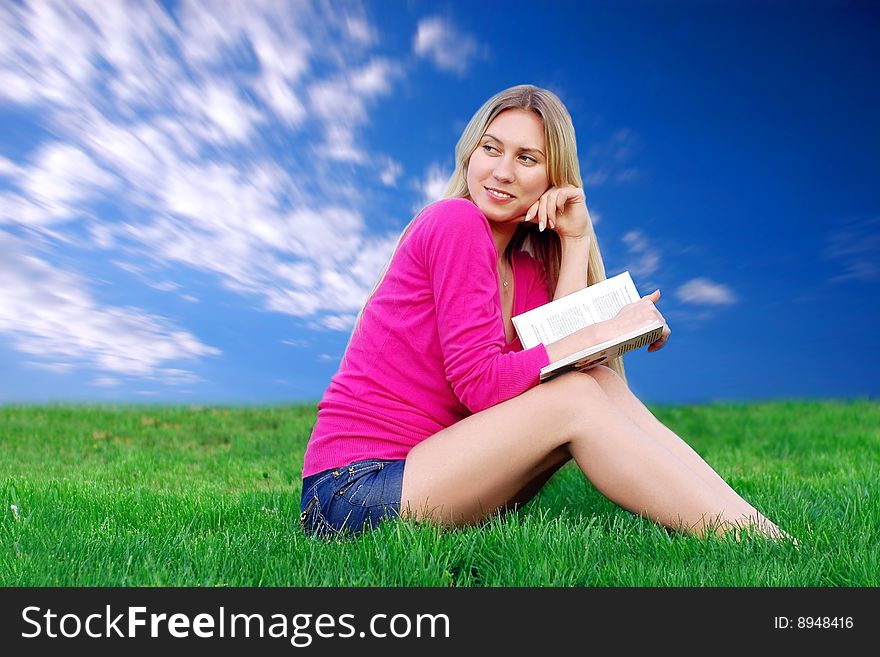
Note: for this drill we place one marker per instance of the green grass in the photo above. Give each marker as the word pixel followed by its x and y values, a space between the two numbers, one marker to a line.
pixel 201 496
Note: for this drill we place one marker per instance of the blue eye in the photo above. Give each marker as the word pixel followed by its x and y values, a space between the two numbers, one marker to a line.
pixel 529 159
pixel 488 148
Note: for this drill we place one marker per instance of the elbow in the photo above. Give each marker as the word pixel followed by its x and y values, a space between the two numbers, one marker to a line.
pixel 477 391
pixel 476 399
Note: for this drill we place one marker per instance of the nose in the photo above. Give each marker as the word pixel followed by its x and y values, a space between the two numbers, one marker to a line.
pixel 503 171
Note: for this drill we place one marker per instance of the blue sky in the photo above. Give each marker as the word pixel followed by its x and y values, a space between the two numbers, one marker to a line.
pixel 196 198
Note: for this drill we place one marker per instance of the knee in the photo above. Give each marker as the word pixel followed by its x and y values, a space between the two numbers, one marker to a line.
pixel 572 389
pixel 576 398
pixel 605 376
pixel 576 382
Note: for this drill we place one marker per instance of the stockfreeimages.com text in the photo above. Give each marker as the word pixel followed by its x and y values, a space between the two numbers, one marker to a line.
pixel 301 629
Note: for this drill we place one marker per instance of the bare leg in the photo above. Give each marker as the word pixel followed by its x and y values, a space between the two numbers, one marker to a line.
pixel 554 461
pixel 620 394
pixel 468 471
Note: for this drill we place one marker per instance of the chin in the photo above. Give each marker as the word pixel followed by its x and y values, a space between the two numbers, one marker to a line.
pixel 494 216
pixel 499 215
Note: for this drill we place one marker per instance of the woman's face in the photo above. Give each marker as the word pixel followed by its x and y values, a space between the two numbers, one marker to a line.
pixel 507 172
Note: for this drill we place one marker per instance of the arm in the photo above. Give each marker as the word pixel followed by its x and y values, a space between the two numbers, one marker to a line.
pixel 582 339
pixel 460 258
pixel 564 210
pixel 573 268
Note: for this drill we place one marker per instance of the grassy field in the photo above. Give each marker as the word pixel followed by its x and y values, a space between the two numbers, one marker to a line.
pixel 205 496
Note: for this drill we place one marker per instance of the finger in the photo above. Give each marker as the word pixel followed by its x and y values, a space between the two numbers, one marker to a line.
pixel 532 211
pixel 654 296
pixel 664 338
pixel 552 205
pixel 542 212
pixel 664 335
pixel 561 200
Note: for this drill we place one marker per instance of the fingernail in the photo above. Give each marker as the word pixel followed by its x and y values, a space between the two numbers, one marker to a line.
pixel 541 227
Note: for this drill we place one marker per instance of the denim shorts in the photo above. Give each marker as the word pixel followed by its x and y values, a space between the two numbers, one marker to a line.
pixel 352 498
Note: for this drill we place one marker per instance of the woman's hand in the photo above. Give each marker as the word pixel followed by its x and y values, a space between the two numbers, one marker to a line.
pixel 563 209
pixel 635 315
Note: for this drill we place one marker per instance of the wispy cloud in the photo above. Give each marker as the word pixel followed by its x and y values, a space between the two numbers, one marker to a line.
pixel 223 137
pixel 51 315
pixel 449 48
pixel 611 161
pixel 703 291
pixel 644 259
pixel 8 168
pixel 390 173
pixel 106 382
pixel 432 185
pixel 856 247
pixel 61 179
pixel 341 103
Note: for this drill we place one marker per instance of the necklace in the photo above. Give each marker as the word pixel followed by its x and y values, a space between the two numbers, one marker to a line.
pixel 504 282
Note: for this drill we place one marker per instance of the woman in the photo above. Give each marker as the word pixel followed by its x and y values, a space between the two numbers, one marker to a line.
pixel 436 412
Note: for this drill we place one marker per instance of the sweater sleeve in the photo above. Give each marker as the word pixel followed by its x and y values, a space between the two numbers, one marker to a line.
pixel 461 259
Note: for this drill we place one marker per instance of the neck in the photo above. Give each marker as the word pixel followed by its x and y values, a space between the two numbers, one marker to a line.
pixel 502 236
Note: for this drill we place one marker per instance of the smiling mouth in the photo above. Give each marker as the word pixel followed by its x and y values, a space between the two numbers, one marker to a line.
pixel 496 193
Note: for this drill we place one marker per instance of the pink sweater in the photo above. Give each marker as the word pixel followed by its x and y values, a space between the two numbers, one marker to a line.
pixel 430 348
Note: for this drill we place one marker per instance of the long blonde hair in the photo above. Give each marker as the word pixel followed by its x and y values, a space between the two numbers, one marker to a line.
pixel 562 169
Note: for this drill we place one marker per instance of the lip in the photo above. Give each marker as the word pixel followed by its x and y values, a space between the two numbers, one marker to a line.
pixel 497 199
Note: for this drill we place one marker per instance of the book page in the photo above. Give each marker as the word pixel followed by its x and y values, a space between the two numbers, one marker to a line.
pixel 557 319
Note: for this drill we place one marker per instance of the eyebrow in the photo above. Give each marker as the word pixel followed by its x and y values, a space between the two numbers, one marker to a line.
pixel 524 148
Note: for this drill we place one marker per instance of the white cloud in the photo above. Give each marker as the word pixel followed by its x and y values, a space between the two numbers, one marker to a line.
pixel 645 259
pixel 390 173
pixel 223 115
pixel 341 103
pixel 280 95
pixel 375 78
pixel 449 48
pixel 63 174
pixel 101 236
pixel 55 187
pixel 340 145
pixel 360 30
pixel 106 382
pixel 164 286
pixel 609 161
pixel 8 168
pixel 313 261
pixel 172 122
pixel 433 185
pixel 50 314
pixel 702 291
pixel 54 39
pixel 56 368
pixel 339 322
pixel 856 246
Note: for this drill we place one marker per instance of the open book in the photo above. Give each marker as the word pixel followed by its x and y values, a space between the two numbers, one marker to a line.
pixel 596 303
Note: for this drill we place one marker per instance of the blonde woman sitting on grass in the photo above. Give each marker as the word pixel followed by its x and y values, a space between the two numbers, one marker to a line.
pixel 436 413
